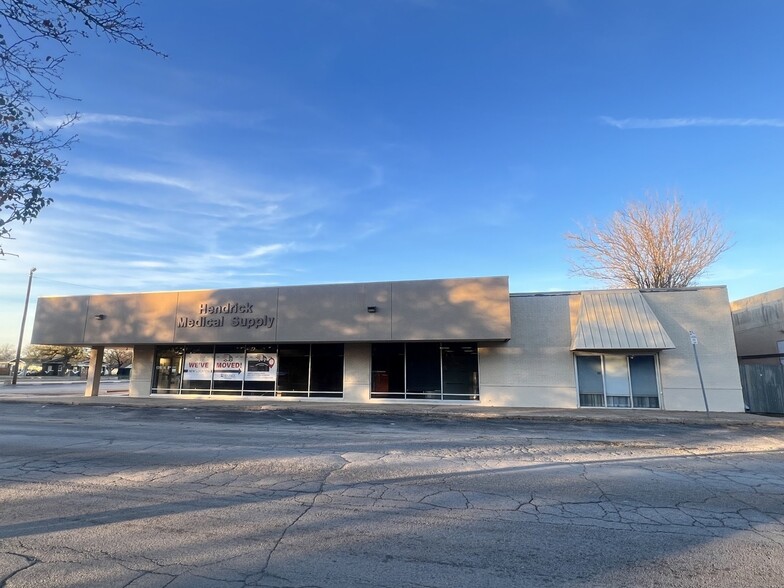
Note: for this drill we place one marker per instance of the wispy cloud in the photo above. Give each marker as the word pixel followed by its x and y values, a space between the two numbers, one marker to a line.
pixel 96 118
pixel 254 253
pixel 672 123
pixel 120 174
pixel 149 264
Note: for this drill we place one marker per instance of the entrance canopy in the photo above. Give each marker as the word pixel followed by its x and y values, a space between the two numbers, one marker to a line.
pixel 618 319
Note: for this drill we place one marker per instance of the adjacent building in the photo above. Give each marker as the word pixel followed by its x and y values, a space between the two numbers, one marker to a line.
pixel 759 336
pixel 440 341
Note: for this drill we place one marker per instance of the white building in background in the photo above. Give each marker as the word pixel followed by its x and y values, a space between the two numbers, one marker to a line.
pixel 439 341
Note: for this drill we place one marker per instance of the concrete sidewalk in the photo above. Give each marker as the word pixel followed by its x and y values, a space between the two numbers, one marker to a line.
pixel 431 411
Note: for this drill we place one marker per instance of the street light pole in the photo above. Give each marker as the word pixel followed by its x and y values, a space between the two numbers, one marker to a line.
pixel 693 338
pixel 21 331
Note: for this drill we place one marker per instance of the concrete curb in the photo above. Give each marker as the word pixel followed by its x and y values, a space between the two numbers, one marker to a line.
pixel 429 411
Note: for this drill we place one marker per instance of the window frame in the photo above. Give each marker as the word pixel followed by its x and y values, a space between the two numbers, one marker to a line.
pixel 626 355
pixel 442 396
pixel 242 391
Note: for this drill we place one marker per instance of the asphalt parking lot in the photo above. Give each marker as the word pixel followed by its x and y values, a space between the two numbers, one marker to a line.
pixel 123 495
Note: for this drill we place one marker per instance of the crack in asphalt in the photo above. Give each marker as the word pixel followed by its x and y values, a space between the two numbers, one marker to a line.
pixel 68 501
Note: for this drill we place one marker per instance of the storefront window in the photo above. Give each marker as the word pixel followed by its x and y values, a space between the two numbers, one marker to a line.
pixel 388 377
pixel 617 381
pixel 261 370
pixel 326 369
pixel 293 368
pixel 197 374
pixel 461 371
pixel 589 378
pixel 427 371
pixel 229 369
pixel 645 390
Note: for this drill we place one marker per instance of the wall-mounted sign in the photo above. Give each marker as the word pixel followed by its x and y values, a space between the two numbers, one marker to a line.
pixel 261 367
pixel 232 314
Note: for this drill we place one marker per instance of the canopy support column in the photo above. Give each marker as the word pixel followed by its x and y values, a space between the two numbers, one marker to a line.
pixel 94 373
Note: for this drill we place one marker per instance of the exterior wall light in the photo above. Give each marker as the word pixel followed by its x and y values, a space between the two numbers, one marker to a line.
pixel 99 317
pixel 372 309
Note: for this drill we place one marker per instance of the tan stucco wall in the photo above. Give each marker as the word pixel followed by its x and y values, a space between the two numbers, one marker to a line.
pixel 425 310
pixel 141 370
pixel 536 368
pixel 705 311
pixel 356 375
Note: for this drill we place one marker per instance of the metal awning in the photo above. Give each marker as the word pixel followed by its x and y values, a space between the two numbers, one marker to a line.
pixel 618 320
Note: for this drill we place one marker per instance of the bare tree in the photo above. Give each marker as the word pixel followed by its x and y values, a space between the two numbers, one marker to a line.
pixel 36 38
pixel 7 352
pixel 656 243
pixel 68 354
pixel 117 357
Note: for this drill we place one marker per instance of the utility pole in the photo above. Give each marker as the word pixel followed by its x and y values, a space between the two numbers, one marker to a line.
pixel 21 331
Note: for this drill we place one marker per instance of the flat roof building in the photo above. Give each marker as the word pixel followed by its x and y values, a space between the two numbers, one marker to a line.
pixel 462 340
pixel 759 326
pixel 759 337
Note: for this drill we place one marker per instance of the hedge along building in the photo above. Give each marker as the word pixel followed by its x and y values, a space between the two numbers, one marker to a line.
pixel 460 340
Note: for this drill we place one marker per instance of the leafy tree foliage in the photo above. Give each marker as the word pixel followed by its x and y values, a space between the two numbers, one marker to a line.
pixel 36 38
pixel 656 243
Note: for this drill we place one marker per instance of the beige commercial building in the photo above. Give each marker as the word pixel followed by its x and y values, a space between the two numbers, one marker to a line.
pixel 443 341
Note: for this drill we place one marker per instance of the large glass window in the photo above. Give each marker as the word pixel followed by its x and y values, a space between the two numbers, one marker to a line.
pixel 261 370
pixel 461 371
pixel 423 370
pixel 197 373
pixel 619 381
pixel 326 370
pixel 426 371
pixel 388 376
pixel 645 390
pixel 589 378
pixel 294 366
pixel 616 381
pixel 228 369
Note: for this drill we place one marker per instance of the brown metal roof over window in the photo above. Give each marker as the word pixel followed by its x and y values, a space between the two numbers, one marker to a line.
pixel 618 320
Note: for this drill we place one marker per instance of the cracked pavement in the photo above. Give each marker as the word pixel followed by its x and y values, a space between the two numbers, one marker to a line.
pixel 183 497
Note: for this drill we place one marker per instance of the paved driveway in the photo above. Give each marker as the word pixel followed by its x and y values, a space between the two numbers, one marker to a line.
pixel 119 496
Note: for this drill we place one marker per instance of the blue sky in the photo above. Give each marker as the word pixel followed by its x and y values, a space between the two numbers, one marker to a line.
pixel 315 141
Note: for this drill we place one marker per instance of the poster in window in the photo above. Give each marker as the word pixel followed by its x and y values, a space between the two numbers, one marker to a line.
pixel 261 367
pixel 198 366
pixel 228 366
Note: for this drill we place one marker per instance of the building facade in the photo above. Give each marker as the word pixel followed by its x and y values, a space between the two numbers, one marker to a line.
pixel 759 337
pixel 443 341
pixel 758 322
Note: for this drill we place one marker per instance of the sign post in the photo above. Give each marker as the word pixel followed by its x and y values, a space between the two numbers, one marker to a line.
pixel 693 339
